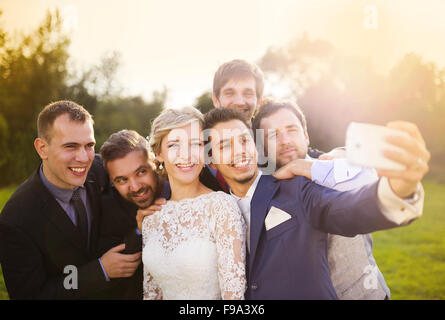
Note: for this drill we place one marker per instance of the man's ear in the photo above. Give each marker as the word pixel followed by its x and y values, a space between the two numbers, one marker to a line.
pixel 259 102
pixel 41 147
pixel 307 139
pixel 215 100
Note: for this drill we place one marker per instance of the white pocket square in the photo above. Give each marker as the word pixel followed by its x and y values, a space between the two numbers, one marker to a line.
pixel 275 217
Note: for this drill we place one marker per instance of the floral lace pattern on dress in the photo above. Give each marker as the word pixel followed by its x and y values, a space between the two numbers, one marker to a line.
pixel 195 249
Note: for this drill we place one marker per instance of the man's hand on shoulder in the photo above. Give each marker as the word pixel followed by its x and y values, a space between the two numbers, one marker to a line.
pixel 297 167
pixel 142 213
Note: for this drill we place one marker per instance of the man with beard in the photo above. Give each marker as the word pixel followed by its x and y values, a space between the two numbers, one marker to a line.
pixel 134 185
pixel 285 143
pixel 289 220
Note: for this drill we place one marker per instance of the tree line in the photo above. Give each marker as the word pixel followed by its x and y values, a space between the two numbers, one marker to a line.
pixel 331 88
pixel 34 71
pixel 334 89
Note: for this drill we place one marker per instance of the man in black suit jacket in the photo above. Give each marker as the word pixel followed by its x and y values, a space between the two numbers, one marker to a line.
pixel 49 226
pixel 132 184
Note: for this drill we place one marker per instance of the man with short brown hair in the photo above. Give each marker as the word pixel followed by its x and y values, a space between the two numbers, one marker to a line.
pixel 350 259
pixel 288 220
pixel 49 226
pixel 133 185
pixel 238 84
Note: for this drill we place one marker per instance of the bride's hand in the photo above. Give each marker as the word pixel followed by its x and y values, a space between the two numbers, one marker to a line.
pixel 142 213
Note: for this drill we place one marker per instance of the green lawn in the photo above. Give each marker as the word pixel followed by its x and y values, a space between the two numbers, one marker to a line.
pixel 4 196
pixel 411 258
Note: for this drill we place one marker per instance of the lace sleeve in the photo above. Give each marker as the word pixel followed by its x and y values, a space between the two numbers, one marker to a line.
pixel 230 237
pixel 151 289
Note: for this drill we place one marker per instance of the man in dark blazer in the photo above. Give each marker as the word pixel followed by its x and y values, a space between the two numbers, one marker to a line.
pixel 289 220
pixel 133 184
pixel 49 226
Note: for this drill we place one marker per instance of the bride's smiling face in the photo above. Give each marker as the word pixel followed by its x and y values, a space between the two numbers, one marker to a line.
pixel 182 153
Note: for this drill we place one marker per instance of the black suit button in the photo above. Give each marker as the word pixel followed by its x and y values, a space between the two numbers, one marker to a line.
pixel 254 286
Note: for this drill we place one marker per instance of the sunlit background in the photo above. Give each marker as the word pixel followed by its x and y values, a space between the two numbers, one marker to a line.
pixel 180 44
pixel 340 60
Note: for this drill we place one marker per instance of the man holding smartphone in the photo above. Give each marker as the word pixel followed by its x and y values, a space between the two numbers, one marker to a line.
pixel 285 143
pixel 289 220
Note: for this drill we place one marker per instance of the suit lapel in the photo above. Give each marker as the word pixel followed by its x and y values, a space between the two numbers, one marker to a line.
pixel 258 210
pixel 62 222
pixel 59 217
pixel 55 213
pixel 93 193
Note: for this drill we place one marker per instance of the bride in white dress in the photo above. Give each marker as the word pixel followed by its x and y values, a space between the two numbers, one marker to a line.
pixel 194 247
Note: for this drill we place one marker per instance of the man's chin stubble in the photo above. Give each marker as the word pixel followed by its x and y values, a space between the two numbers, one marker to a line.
pixel 144 205
pixel 245 180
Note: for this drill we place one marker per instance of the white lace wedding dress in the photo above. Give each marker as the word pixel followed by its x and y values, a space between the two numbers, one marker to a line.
pixel 195 249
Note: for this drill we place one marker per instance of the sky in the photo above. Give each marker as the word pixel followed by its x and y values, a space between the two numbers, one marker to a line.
pixel 180 44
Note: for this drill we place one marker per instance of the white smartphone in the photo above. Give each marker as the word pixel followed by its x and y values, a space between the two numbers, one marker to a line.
pixel 365 144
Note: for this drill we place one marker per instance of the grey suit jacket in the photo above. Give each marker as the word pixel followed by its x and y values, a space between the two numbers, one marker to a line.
pixel 354 271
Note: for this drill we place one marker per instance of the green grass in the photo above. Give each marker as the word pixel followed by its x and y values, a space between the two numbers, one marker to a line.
pixel 5 193
pixel 411 258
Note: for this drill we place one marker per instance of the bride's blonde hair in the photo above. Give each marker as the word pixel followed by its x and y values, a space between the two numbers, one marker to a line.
pixel 168 120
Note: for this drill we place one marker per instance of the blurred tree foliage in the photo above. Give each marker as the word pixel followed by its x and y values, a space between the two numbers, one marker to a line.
pixel 204 102
pixel 34 72
pixel 334 89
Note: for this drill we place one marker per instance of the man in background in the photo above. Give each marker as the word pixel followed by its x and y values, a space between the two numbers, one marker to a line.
pixel 238 84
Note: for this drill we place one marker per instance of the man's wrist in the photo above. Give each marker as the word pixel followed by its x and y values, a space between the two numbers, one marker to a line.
pixel 401 211
pixel 415 196
pixel 401 191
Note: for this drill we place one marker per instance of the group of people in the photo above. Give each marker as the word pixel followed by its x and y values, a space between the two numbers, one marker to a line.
pixel 188 213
